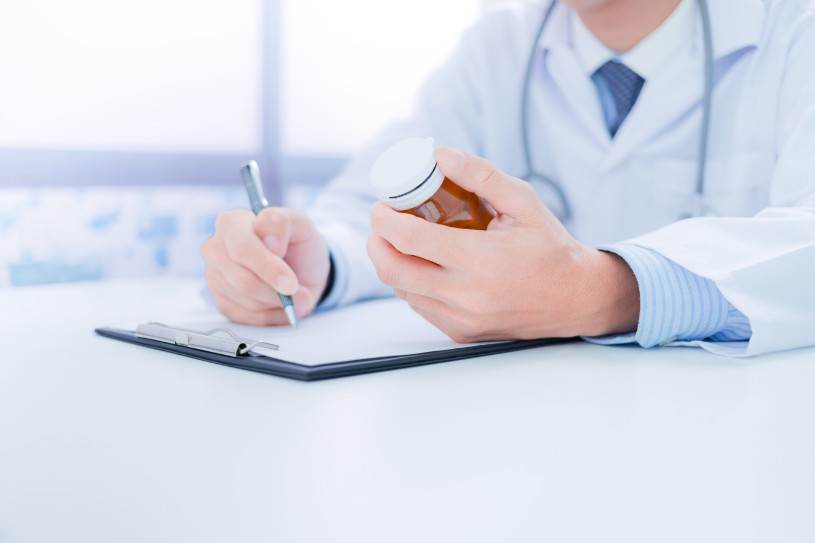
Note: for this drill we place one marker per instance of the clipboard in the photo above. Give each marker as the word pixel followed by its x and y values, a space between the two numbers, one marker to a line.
pixel 369 337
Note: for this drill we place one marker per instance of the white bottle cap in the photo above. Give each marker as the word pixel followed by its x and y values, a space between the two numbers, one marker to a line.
pixel 405 175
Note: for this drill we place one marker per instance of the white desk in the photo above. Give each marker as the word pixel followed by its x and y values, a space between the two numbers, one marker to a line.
pixel 102 441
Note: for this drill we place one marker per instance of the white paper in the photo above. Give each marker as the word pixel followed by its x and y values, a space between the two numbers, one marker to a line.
pixel 373 329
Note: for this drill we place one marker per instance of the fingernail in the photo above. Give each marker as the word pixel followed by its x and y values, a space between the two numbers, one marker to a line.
pixel 285 285
pixel 448 158
pixel 272 243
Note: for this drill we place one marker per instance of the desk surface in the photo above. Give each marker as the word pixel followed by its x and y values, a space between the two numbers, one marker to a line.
pixel 105 441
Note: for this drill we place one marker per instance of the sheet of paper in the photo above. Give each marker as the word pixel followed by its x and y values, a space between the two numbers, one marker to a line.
pixel 373 329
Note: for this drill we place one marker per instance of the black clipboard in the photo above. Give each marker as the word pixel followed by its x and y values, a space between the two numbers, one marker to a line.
pixel 341 368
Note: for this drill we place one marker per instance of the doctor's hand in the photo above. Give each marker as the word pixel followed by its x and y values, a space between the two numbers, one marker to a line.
pixel 524 277
pixel 250 259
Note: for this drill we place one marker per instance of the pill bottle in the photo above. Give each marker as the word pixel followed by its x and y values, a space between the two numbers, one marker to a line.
pixel 406 177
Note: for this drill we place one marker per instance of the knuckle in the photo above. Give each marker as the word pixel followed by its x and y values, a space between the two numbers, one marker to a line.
pixel 405 239
pixel 220 221
pixel 227 309
pixel 527 187
pixel 488 174
pixel 470 327
pixel 386 268
pixel 371 247
pixel 388 273
pixel 239 250
pixel 259 318
pixel 529 193
pixel 244 284
pixel 379 215
pixel 255 304
pixel 225 219
pixel 272 220
pixel 208 249
pixel 213 250
pixel 457 337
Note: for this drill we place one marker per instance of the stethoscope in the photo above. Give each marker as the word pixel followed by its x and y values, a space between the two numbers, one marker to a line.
pixel 698 208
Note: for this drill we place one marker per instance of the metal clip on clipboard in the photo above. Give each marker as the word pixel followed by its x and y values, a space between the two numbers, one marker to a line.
pixel 203 341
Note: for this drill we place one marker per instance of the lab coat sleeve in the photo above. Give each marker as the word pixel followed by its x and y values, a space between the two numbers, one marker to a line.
pixel 765 265
pixel 448 110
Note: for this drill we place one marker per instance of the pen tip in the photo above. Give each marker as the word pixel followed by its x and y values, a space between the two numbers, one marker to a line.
pixel 291 315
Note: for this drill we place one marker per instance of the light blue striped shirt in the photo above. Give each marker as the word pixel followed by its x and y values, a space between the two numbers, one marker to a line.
pixel 675 304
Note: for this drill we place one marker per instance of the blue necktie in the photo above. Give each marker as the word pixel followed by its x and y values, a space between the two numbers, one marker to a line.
pixel 625 86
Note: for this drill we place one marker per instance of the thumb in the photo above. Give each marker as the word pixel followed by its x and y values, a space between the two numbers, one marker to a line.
pixel 506 194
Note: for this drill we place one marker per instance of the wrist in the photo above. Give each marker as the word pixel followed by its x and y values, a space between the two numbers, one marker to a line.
pixel 611 296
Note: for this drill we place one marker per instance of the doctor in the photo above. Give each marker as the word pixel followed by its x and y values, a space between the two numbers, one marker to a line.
pixel 608 99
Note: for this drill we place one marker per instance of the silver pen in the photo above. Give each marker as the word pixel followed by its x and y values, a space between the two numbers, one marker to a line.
pixel 251 178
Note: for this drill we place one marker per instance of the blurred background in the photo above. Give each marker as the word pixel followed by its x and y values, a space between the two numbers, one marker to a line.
pixel 123 123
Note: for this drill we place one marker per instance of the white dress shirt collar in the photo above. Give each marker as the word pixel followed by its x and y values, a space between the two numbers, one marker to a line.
pixel 650 54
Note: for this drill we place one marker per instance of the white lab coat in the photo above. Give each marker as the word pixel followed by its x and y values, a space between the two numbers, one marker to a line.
pixel 760 175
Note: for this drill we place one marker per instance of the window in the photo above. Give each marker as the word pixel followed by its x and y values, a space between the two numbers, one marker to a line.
pixel 348 67
pixel 100 99
pixel 148 92
pixel 181 91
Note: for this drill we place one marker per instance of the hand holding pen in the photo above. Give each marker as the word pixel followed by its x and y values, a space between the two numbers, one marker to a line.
pixel 253 259
pixel 254 188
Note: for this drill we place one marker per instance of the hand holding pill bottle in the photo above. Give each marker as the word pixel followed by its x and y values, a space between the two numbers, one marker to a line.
pixel 406 177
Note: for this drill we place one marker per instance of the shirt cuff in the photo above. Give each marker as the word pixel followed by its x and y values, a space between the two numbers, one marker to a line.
pixel 339 283
pixel 675 304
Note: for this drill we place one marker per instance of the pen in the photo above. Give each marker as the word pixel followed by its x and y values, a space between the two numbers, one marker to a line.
pixel 251 178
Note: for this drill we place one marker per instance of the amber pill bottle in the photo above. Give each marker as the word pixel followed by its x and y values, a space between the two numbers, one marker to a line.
pixel 406 177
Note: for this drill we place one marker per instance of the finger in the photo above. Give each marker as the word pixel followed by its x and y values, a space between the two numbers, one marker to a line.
pixel 443 318
pixel 220 285
pixel 247 249
pixel 410 235
pixel 432 310
pixel 304 299
pixel 506 194
pixel 244 282
pixel 283 226
pixel 403 271
pixel 426 303
pixel 233 280
pixel 461 325
pixel 274 228
pixel 237 313
pixel 294 237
